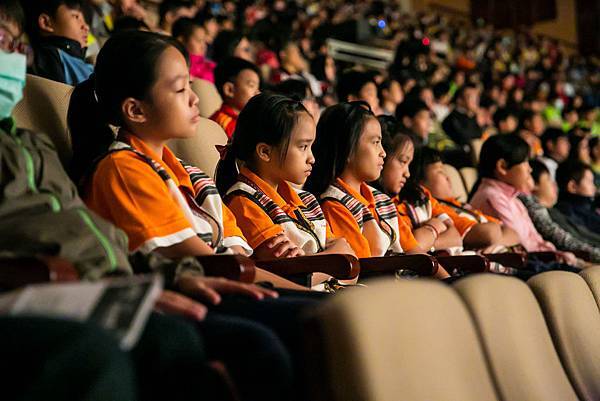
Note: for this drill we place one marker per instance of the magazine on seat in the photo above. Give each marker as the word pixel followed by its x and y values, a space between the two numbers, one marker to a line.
pixel 119 305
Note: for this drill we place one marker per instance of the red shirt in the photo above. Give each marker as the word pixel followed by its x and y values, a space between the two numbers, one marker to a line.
pixel 226 117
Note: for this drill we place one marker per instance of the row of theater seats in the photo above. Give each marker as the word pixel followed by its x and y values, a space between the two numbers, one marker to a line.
pixel 487 337
pixel 484 338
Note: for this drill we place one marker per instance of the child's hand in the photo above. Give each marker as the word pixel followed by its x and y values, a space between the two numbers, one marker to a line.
pixel 211 288
pixel 177 304
pixel 339 245
pixel 279 246
pixel 439 224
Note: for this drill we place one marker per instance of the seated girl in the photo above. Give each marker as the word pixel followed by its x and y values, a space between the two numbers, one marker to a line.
pixel 477 229
pixel 504 173
pixel 349 153
pixel 431 227
pixel 273 140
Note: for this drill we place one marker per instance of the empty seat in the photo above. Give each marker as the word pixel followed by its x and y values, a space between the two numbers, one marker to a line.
pixel 469 177
pixel 458 188
pixel 210 100
pixel 200 149
pixel 574 322
pixel 43 109
pixel 394 341
pixel 515 339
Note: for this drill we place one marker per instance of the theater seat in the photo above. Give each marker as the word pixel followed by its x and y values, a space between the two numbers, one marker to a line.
pixel 210 100
pixel 44 110
pixel 574 322
pixel 397 340
pixel 200 150
pixel 458 188
pixel 592 278
pixel 469 177
pixel 515 339
pixel 476 145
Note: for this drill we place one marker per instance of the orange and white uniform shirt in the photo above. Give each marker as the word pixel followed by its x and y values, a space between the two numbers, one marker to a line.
pixel 263 212
pixel 468 212
pixel 367 220
pixel 159 201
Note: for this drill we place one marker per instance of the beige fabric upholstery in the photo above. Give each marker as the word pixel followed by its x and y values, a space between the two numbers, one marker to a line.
pixel 458 187
pixel 574 322
pixel 476 145
pixel 469 177
pixel 209 98
pixel 592 278
pixel 44 110
pixel 515 338
pixel 200 150
pixel 408 340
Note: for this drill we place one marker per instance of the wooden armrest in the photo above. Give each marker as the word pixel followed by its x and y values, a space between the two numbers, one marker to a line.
pixel 233 267
pixel 340 266
pixel 508 259
pixel 465 263
pixel 422 264
pixel 17 272
pixel 544 256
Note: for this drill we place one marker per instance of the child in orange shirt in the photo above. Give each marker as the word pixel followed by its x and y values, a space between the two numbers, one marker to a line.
pixel 237 80
pixel 273 142
pixel 349 154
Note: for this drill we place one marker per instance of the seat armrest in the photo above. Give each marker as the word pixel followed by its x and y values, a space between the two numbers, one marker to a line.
pixel 509 259
pixel 233 267
pixel 340 266
pixel 17 272
pixel 422 264
pixel 465 263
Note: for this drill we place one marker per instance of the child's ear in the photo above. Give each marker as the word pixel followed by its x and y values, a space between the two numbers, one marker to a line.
pixel 45 23
pixel 228 90
pixel 133 111
pixel 572 186
pixel 501 167
pixel 264 152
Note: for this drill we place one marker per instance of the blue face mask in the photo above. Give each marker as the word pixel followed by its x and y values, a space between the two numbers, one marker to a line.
pixel 13 68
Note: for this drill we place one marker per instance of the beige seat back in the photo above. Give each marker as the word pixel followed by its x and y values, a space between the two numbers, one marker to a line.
pixel 574 322
pixel 592 278
pixel 44 110
pixel 209 98
pixel 469 177
pixel 515 338
pixel 200 150
pixel 395 341
pixel 458 188
pixel 476 145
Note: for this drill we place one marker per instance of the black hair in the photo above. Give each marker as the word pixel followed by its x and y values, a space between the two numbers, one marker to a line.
pixel 551 135
pixel 410 108
pixel 317 67
pixel 412 192
pixel 267 118
pixel 350 83
pixel 295 88
pixel 126 67
pixel 527 115
pixel 128 23
pixel 224 45
pixel 575 141
pixel 34 8
pixel 168 6
pixel 537 169
pixel 511 148
pixel 385 85
pixel 184 27
pixel 570 170
pixel 502 115
pixel 228 69
pixel 463 89
pixel 338 133
pixel 440 89
pixel 11 10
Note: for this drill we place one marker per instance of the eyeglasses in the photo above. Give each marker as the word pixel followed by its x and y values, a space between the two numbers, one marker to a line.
pixel 9 44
